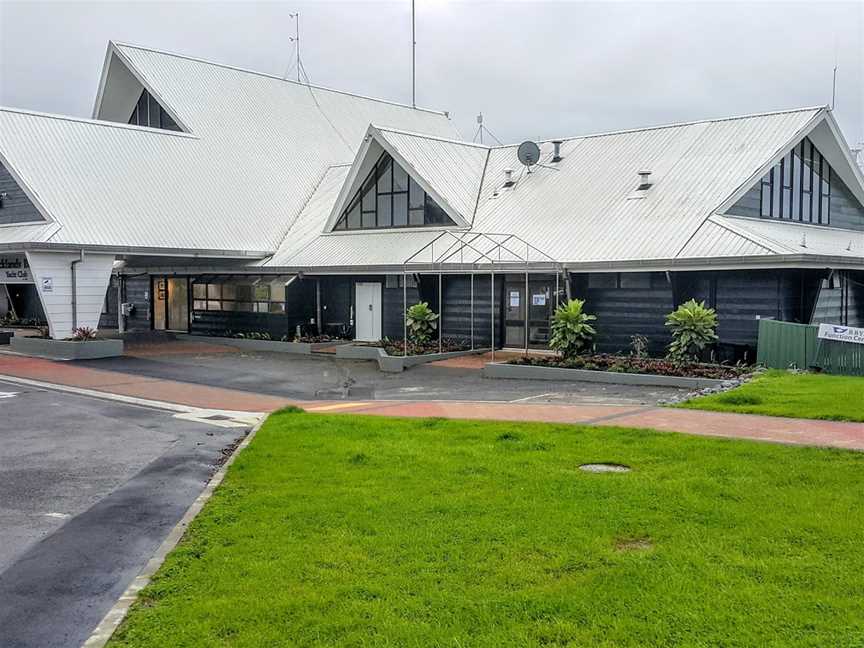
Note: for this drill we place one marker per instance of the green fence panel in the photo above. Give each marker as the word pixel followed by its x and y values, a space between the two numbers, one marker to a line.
pixel 840 358
pixel 783 345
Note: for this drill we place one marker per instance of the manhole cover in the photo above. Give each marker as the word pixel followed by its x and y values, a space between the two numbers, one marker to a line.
pixel 604 468
pixel 218 417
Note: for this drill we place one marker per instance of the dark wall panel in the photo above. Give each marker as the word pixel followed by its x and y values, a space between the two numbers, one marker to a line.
pixel 16 206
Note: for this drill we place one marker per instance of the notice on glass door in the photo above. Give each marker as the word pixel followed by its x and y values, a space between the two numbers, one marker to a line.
pixel 538 300
pixel 514 299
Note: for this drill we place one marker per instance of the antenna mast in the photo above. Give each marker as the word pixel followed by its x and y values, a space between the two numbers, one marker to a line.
pixel 413 61
pixel 296 40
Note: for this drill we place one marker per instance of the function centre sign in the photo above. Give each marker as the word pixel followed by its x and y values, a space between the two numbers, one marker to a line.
pixel 15 270
pixel 841 333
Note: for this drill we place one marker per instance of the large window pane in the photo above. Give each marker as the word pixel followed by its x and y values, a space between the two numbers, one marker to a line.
pixel 765 199
pixel 369 196
pixel 199 291
pixel 416 195
pixel 214 291
pixel 385 177
pixel 353 220
pixel 416 217
pixel 400 178
pixel 434 214
pixel 368 220
pixel 385 218
pixel 400 210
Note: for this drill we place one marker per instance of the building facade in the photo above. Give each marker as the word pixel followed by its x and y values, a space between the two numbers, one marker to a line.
pixel 206 199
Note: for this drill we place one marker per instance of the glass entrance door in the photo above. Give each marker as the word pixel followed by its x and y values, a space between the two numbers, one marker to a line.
pixel 540 302
pixel 178 304
pixel 171 304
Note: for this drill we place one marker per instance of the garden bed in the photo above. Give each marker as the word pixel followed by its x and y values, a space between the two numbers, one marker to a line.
pixel 378 351
pixel 67 349
pixel 624 370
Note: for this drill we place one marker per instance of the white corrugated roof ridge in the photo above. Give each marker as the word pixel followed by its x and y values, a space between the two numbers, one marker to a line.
pixel 259 148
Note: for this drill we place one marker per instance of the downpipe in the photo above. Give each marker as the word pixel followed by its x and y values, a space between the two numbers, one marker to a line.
pixel 72 270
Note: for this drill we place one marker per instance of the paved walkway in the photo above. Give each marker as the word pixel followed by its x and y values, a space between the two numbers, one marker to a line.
pixel 742 426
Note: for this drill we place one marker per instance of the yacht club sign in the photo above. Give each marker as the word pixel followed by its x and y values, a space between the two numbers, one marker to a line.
pixel 15 270
pixel 841 333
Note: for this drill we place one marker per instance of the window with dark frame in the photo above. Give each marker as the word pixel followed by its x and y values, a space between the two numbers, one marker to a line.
pixel 148 112
pixel 798 187
pixel 390 198
pixel 234 298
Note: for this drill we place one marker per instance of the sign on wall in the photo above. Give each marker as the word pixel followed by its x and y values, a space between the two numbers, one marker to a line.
pixel 841 333
pixel 47 284
pixel 15 270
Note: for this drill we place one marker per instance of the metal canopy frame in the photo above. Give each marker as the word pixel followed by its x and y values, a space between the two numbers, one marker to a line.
pixel 476 253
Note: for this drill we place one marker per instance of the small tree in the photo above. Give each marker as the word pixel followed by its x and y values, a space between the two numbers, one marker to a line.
pixel 571 332
pixel 693 328
pixel 422 322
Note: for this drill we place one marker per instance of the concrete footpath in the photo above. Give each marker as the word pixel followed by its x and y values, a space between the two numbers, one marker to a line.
pixel 741 426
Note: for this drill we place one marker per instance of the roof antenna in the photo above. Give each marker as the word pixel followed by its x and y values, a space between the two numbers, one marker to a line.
pixel 834 79
pixel 413 61
pixel 296 40
pixel 481 128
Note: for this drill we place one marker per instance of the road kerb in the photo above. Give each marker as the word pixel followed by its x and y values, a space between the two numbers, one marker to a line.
pixel 112 620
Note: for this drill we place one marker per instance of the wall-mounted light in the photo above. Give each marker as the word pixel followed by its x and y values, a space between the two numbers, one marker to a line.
pixel 2 198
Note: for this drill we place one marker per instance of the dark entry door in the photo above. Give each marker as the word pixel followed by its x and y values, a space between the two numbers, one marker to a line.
pixel 539 301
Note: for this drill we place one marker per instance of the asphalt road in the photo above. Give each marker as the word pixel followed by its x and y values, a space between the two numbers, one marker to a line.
pixel 88 491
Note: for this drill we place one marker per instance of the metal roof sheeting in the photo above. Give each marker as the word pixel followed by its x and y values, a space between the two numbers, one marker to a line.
pixel 789 237
pixel 579 210
pixel 259 146
pixel 453 169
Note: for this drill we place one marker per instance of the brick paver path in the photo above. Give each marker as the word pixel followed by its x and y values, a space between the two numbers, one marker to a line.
pixel 741 426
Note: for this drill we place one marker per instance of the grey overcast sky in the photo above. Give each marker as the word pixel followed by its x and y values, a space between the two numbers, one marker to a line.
pixel 535 69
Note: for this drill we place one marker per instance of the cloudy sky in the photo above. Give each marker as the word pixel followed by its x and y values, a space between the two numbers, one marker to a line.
pixel 535 69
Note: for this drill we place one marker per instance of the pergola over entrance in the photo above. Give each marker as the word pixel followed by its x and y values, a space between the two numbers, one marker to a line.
pixel 476 253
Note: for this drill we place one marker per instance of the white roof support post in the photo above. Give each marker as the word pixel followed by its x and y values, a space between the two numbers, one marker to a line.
pixel 53 273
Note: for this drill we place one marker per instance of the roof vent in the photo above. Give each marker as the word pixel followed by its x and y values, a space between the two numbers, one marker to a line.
pixel 645 181
pixel 556 153
pixel 508 178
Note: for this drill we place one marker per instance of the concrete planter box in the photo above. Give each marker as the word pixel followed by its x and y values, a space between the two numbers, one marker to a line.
pixel 396 364
pixel 528 372
pixel 5 336
pixel 67 350
pixel 275 346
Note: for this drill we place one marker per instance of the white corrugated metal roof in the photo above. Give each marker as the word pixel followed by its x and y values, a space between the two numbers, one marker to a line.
pixel 453 169
pixel 580 209
pixel 259 146
pixel 787 237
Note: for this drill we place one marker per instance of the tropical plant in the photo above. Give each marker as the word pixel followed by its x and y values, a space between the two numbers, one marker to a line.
pixel 421 322
pixel 693 328
pixel 83 333
pixel 571 331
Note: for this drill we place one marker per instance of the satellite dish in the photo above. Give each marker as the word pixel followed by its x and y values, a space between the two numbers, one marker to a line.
pixel 528 153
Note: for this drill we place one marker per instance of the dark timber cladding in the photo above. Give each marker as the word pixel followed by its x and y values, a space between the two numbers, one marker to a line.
pixel 15 206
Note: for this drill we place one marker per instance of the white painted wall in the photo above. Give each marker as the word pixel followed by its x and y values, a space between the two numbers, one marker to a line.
pixel 93 275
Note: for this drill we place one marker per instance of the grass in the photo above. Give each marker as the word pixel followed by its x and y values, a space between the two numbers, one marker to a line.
pixel 800 395
pixel 363 531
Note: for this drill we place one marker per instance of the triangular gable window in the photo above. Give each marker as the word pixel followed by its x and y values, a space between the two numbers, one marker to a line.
pixel 148 112
pixel 798 188
pixel 388 198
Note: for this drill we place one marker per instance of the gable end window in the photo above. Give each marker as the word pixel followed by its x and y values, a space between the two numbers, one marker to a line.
pixel 148 112
pixel 388 198
pixel 798 188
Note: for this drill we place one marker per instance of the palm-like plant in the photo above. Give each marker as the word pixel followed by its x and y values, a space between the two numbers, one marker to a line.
pixel 571 331
pixel 693 328
pixel 422 322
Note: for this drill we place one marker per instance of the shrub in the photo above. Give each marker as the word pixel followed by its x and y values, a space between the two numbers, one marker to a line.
pixel 83 333
pixel 422 322
pixel 639 346
pixel 571 332
pixel 693 326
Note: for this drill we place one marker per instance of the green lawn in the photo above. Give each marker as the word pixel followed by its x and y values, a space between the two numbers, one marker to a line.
pixel 364 531
pixel 801 395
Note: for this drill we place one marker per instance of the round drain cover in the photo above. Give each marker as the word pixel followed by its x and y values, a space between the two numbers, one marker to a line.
pixel 604 468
